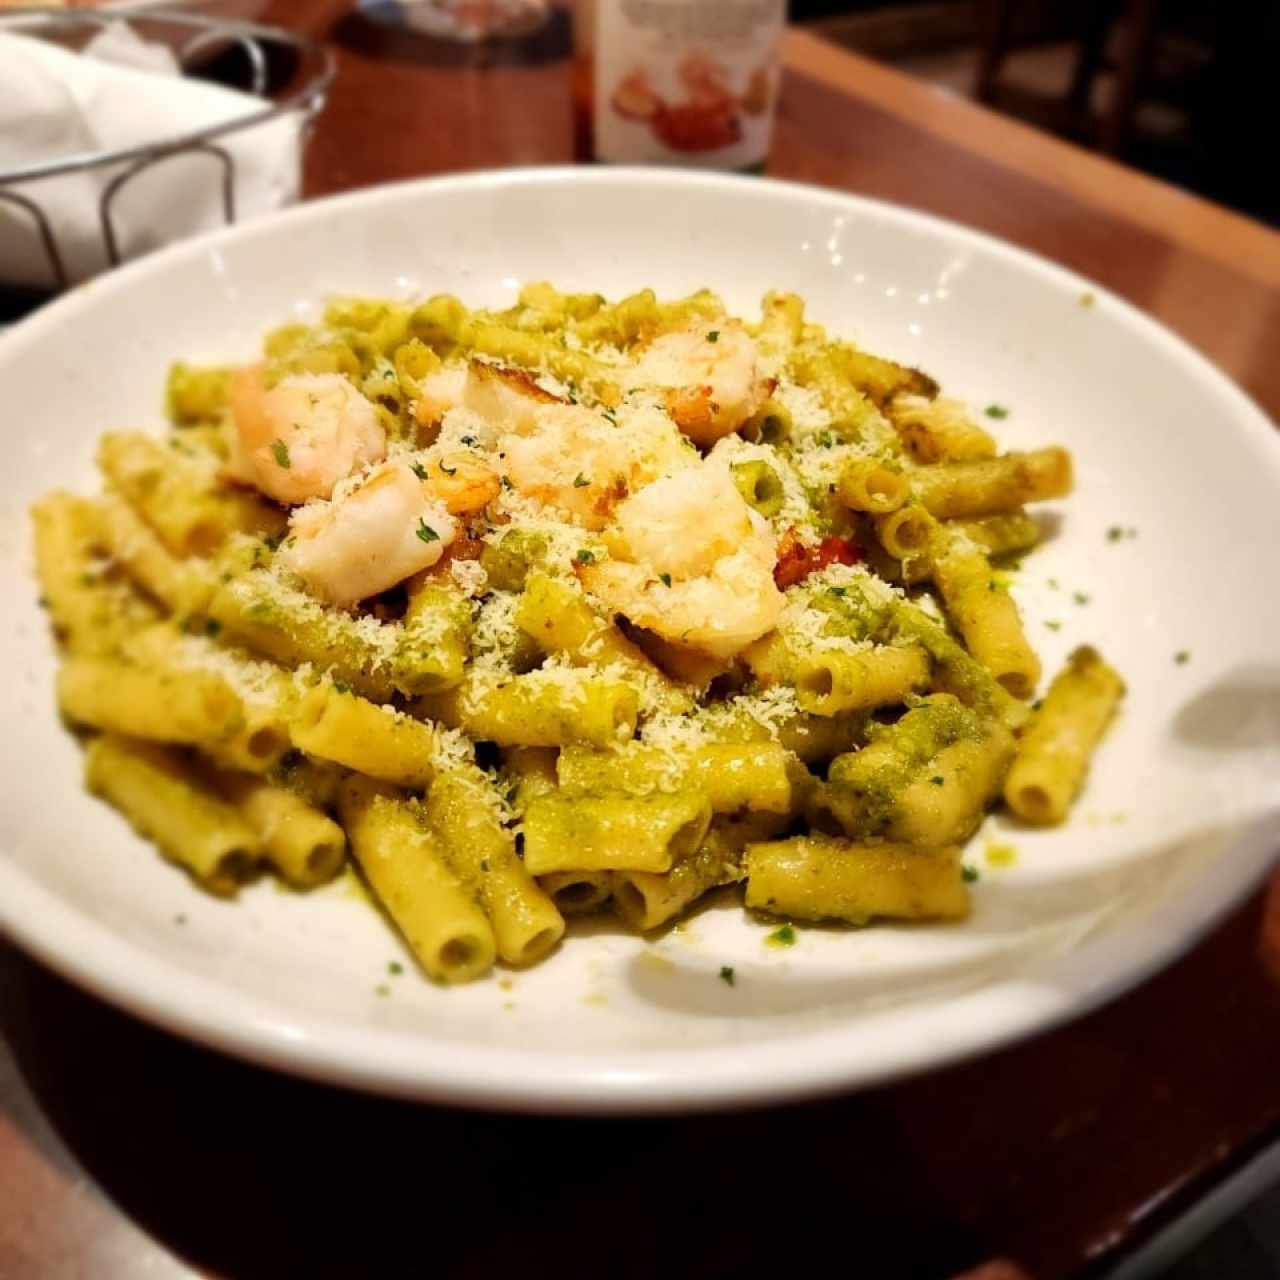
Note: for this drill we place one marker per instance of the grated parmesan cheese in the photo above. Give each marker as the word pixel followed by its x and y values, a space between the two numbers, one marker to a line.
pixel 469 576
pixel 253 681
pixel 494 635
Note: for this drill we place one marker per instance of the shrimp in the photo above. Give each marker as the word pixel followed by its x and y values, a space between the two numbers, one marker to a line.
pixel 391 527
pixel 691 562
pixel 462 482
pixel 506 399
pixel 296 440
pixel 711 376
pixel 439 392
pixel 584 461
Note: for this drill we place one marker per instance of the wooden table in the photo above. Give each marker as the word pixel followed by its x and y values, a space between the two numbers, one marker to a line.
pixel 125 1152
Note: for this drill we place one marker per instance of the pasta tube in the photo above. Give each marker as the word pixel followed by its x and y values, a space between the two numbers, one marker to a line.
pixel 577 893
pixel 164 705
pixel 301 841
pixel 732 776
pixel 995 535
pixel 408 873
pixel 991 486
pixel 906 533
pixel 837 679
pixel 945 801
pixel 178 497
pixel 434 648
pixel 373 658
pixel 612 833
pixel 820 878
pixel 1053 756
pixel 168 803
pixel 377 740
pixel 184 586
pixel 853 415
pixel 957 672
pixel 460 809
pixel 194 394
pixel 647 899
pixel 760 486
pixel 924 781
pixel 259 737
pixel 872 485
pixel 938 430
pixel 985 614
pixel 541 709
pixel 91 610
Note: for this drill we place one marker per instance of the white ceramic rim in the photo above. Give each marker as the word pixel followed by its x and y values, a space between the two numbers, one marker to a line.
pixel 412 1065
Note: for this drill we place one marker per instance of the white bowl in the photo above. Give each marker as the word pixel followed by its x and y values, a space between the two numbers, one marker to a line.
pixel 1177 823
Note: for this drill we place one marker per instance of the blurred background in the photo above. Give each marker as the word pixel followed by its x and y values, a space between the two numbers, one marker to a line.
pixel 1182 89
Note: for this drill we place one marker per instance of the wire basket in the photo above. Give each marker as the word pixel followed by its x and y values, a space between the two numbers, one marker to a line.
pixel 191 37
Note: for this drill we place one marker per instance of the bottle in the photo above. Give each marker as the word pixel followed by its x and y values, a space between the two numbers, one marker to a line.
pixel 683 82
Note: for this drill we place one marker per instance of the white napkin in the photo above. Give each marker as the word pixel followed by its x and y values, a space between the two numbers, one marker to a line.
pixel 119 92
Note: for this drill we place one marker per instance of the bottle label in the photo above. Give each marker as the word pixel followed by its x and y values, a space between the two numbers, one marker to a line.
pixel 686 81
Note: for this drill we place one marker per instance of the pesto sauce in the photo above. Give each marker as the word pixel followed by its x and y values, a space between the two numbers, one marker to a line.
pixel 1001 855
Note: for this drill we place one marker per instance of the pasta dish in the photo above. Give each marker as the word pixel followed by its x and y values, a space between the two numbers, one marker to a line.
pixel 575 606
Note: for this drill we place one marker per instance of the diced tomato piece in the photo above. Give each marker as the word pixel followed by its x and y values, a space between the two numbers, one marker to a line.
pixel 797 562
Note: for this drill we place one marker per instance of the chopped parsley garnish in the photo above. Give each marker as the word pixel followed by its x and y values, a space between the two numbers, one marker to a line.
pixel 449 471
pixel 784 937
pixel 340 686
pixel 714 335
pixel 610 416
pixel 580 481
pixel 211 627
pixel 585 556
pixel 665 579
pixel 1115 533
pixel 969 874
pixel 1053 625
pixel 1080 597
pixel 726 974
pixel 996 411
pixel 1037 704
pixel 273 541
pixel 280 452
pixel 418 470
pixel 469 441
pixel 1182 657
pixel 395 968
pixel 838 591
pixel 826 439
pixel 425 532
pixel 937 780
pixel 382 989
pixel 506 483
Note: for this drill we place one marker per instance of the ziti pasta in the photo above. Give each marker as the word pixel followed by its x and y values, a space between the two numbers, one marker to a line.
pixel 575 606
